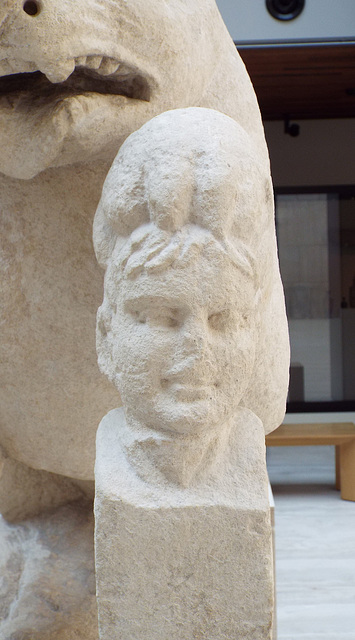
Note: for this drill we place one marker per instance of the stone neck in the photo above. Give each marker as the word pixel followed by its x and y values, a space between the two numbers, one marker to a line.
pixel 180 459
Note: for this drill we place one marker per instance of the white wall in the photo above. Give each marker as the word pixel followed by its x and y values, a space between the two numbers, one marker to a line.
pixel 250 20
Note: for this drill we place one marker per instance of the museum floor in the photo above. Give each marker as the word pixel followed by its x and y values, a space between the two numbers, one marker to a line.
pixel 315 546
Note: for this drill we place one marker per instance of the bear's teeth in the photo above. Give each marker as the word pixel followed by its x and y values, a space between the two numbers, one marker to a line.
pixel 93 62
pixel 80 61
pixel 108 66
pixel 60 71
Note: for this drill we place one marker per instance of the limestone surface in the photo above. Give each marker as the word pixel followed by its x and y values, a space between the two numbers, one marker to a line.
pixel 26 492
pixel 96 71
pixel 76 79
pixel 47 587
pixel 185 230
pixel 184 563
pixel 159 55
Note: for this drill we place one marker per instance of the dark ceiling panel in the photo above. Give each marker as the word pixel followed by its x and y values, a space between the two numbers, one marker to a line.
pixel 303 81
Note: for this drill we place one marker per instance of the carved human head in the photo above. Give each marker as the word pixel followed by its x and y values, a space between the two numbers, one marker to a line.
pixel 183 230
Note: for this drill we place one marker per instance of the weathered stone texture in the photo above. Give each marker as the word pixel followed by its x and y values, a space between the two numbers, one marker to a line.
pixel 47 590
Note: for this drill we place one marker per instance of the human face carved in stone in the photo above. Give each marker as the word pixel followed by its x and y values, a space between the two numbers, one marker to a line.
pixel 226 190
pixel 78 77
pixel 182 343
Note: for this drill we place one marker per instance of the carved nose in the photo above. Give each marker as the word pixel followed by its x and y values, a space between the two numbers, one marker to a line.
pixel 195 339
pixel 32 7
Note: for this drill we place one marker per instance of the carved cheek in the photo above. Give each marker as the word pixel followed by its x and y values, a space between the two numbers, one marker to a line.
pixel 142 350
pixel 233 354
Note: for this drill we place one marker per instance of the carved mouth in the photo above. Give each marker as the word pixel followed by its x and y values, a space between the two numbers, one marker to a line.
pixel 189 392
pixel 90 74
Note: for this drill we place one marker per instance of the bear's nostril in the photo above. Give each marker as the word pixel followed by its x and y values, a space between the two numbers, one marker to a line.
pixel 31 7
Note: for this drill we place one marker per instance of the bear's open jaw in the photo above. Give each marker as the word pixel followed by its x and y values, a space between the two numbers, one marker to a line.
pixel 85 74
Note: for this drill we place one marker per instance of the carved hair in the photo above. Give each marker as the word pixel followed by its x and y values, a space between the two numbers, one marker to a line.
pixel 153 250
pixel 197 167
pixel 190 166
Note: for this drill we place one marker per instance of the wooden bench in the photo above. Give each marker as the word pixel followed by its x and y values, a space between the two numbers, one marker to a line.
pixel 340 434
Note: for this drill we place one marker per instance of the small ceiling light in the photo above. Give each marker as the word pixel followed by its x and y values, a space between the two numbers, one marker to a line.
pixel 293 129
pixel 285 9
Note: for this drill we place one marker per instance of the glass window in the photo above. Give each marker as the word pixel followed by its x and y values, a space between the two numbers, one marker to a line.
pixel 316 239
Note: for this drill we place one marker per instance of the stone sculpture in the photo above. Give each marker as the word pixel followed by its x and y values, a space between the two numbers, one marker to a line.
pixel 184 230
pixel 59 133
pixel 76 78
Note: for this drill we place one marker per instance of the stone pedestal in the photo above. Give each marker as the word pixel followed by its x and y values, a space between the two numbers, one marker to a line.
pixel 179 564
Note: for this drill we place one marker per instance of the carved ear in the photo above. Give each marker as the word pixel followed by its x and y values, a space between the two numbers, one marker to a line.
pixel 103 237
pixel 104 342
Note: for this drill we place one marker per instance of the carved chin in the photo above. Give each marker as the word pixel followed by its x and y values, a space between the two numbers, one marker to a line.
pixel 47 124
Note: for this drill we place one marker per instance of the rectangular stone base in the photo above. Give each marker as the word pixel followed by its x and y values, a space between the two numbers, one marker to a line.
pixel 185 570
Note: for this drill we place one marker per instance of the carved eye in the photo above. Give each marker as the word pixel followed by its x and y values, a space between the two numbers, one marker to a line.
pixel 171 319
pixel 164 317
pixel 219 320
pixel 141 317
pixel 153 313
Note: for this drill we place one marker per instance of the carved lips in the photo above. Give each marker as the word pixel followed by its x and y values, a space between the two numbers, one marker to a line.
pixel 192 392
pixel 84 74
